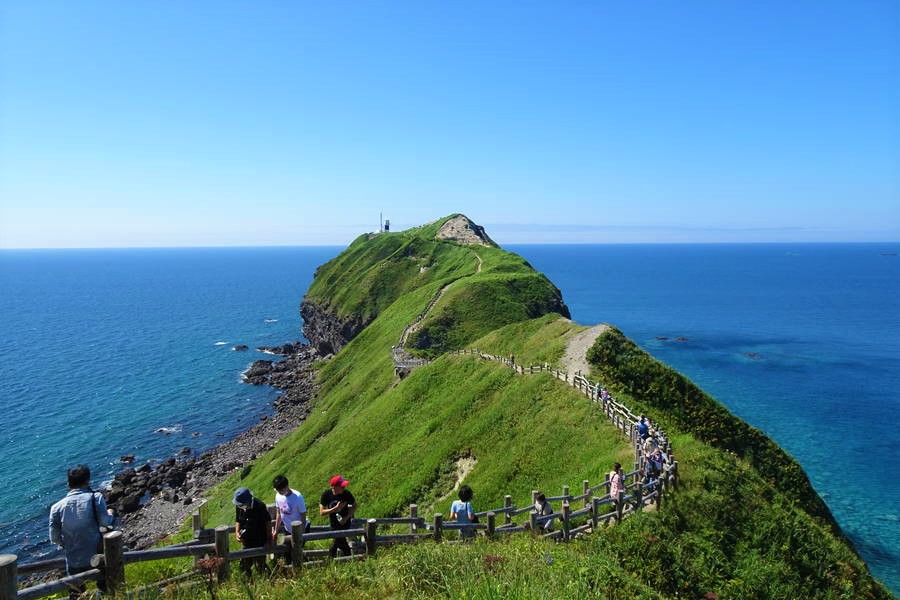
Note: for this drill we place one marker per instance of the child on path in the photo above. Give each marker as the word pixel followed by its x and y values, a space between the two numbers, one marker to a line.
pixel 461 511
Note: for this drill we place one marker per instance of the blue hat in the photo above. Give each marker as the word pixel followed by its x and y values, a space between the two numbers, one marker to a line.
pixel 242 496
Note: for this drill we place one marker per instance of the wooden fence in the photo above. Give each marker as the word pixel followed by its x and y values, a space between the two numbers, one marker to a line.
pixel 579 514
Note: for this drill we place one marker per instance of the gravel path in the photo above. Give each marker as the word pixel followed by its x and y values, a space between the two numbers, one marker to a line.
pixel 575 358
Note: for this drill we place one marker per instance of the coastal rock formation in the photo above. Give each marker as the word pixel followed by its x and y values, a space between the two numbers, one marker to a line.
pixel 326 331
pixel 462 230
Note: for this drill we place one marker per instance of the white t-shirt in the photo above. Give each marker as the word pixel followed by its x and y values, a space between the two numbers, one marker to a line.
pixel 290 507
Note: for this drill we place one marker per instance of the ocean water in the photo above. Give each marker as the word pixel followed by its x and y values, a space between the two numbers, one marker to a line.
pixel 99 349
pixel 800 340
pixel 102 348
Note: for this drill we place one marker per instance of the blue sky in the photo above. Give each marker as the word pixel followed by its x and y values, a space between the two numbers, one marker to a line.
pixel 275 123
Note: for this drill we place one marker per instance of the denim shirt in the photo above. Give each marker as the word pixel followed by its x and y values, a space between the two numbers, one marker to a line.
pixel 75 523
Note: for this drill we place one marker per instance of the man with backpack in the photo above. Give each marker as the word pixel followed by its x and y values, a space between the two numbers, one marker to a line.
pixel 75 525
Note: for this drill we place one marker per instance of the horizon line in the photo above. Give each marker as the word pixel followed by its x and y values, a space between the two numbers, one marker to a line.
pixel 260 246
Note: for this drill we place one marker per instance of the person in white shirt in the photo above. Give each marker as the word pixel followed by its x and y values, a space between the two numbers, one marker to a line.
pixel 289 507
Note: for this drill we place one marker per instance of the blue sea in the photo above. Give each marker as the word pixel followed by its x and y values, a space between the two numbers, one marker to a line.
pixel 100 349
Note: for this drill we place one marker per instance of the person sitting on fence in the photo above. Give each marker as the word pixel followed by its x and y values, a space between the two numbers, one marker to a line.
pixel 339 504
pixel 289 507
pixel 77 523
pixel 461 511
pixel 616 481
pixel 253 527
pixel 542 508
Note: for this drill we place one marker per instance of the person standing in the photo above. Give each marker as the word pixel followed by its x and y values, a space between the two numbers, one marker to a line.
pixel 252 528
pixel 616 481
pixel 75 524
pixel 461 511
pixel 290 507
pixel 339 504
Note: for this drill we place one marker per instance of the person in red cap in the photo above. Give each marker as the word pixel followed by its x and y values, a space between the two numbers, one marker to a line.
pixel 339 504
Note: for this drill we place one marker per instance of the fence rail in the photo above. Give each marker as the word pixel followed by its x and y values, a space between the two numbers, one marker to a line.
pixel 596 511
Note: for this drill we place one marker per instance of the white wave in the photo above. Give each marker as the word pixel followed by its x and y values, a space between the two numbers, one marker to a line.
pixel 169 430
pixel 270 320
pixel 220 343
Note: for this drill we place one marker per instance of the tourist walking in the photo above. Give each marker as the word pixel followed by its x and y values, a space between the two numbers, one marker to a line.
pixel 252 528
pixel 77 523
pixel 290 507
pixel 339 504
pixel 616 481
pixel 461 511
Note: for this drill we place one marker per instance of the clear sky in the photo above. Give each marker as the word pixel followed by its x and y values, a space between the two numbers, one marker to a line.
pixel 284 123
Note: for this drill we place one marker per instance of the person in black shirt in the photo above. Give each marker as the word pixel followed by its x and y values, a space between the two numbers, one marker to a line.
pixel 253 527
pixel 339 504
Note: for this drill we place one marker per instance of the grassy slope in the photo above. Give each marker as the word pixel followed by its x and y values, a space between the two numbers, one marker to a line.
pixel 728 531
pixel 659 390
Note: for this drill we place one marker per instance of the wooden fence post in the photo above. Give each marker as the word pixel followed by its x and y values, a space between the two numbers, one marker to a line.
pixel 660 488
pixel 114 561
pixel 196 522
pixel 8 574
pixel 620 505
pixel 491 523
pixel 223 539
pixel 585 491
pixel 533 524
pixel 297 541
pixel 639 496
pixel 438 526
pixel 565 520
pixel 595 514
pixel 507 503
pixel 371 526
pixel 413 514
pixel 566 494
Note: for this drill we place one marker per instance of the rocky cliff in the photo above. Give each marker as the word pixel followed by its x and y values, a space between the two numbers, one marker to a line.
pixel 326 332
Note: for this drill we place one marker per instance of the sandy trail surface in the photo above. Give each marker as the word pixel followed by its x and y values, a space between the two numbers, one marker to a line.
pixel 575 358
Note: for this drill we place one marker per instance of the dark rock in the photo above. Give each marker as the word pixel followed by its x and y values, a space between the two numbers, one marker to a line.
pixel 326 331
pixel 128 458
pixel 239 347
pixel 185 450
pixel 187 500
pixel 129 504
pixel 125 476
pixel 144 468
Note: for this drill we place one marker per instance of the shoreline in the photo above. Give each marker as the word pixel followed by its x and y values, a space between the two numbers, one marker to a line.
pixel 186 482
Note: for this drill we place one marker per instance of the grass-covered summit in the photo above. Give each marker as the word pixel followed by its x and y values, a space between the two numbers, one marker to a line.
pixel 491 288
pixel 735 529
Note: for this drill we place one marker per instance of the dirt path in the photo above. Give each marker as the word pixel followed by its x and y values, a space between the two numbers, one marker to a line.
pixel 575 358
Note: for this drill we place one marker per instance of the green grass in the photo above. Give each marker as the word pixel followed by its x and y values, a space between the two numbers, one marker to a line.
pixel 738 528
pixel 671 397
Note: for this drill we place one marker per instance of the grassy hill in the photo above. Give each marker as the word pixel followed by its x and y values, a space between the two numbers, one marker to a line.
pixel 741 526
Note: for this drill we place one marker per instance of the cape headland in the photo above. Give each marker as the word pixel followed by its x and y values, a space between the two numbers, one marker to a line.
pixel 745 522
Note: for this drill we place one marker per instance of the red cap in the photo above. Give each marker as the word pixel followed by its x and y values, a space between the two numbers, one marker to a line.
pixel 338 480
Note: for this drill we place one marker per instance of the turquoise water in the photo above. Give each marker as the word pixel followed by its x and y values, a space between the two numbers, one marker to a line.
pixel 802 341
pixel 100 348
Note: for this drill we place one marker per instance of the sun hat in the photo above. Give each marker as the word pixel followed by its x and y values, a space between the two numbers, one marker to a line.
pixel 338 480
pixel 242 496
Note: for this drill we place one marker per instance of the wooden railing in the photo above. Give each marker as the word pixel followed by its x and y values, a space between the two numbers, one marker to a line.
pixel 595 510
